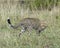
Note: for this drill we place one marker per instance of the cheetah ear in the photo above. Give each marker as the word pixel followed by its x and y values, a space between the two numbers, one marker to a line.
pixel 43 24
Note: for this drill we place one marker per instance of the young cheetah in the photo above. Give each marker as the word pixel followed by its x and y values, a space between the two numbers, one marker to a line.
pixel 27 23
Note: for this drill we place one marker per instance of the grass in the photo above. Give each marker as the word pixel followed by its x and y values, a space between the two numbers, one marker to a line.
pixel 49 38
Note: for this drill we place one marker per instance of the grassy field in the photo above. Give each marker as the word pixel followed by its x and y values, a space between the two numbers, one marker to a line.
pixel 49 38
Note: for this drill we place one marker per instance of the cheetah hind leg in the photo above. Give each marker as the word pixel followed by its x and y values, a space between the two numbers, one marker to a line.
pixel 22 30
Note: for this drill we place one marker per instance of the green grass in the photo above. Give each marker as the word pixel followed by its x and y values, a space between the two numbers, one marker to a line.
pixel 49 38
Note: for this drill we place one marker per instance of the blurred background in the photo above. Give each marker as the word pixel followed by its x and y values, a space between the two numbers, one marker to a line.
pixel 46 10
